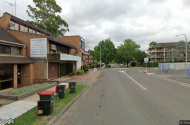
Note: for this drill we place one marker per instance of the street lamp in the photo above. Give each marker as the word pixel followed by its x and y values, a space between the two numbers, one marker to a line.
pixel 100 51
pixel 185 49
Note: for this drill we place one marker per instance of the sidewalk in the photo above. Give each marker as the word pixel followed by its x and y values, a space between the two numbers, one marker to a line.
pixel 17 108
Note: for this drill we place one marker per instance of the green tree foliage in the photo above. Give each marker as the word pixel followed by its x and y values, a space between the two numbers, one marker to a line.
pixel 129 51
pixel 153 43
pixel 108 51
pixel 45 15
pixel 179 51
pixel 140 55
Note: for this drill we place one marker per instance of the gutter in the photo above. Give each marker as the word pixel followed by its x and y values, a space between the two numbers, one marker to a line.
pixel 3 41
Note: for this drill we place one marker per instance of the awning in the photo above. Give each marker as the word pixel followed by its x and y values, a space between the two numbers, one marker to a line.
pixel 14 60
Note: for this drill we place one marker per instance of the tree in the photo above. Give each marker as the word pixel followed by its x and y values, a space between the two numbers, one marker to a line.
pixel 91 51
pixel 140 55
pixel 179 51
pixel 153 43
pixel 126 52
pixel 108 51
pixel 45 15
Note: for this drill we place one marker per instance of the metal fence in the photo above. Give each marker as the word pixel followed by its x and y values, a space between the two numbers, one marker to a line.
pixel 175 68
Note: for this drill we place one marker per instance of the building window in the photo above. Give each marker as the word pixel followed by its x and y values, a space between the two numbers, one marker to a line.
pixel 58 48
pixel 6 76
pixel 16 27
pixel 30 30
pixel 26 29
pixel 9 50
pixel 5 49
pixel 15 51
pixel 21 28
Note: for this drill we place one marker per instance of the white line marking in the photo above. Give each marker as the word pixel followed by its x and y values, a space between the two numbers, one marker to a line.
pixel 141 86
pixel 174 81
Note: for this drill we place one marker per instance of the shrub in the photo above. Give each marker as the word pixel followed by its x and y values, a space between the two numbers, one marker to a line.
pixel 91 67
pixel 74 73
pixel 138 64
pixel 80 72
pixel 134 64
pixel 85 67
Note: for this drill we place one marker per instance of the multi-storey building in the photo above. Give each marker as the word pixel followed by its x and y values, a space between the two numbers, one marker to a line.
pixel 28 54
pixel 89 59
pixel 162 51
pixel 77 41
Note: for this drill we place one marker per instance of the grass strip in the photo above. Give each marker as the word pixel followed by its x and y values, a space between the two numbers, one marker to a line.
pixel 30 118
pixel 27 89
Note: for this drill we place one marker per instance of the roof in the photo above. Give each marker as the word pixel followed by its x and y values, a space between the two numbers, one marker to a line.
pixel 14 59
pixel 61 42
pixel 6 37
pixel 166 44
pixel 74 36
pixel 28 24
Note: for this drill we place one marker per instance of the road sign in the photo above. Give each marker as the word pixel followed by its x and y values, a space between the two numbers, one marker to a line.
pixel 145 60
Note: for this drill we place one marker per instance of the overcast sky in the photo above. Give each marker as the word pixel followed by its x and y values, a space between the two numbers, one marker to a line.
pixel 141 20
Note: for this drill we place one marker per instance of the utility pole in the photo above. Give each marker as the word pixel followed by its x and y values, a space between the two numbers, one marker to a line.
pixel 185 49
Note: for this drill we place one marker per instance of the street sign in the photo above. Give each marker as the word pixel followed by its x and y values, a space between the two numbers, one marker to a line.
pixel 145 60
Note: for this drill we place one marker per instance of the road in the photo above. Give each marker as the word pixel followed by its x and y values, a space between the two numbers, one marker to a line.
pixel 132 98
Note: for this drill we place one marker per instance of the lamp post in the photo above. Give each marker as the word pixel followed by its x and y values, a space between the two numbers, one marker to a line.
pixel 185 49
pixel 100 51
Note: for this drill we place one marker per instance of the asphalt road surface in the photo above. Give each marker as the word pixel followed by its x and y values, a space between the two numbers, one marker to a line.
pixel 132 98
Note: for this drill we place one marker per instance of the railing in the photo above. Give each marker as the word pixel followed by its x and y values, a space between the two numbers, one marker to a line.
pixel 160 50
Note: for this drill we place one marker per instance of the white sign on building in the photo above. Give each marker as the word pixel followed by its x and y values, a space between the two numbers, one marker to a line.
pixel 66 57
pixel 38 47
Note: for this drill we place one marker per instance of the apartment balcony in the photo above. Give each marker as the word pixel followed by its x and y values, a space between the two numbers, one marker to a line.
pixel 157 56
pixel 167 50
pixel 160 50
pixel 53 57
pixel 160 56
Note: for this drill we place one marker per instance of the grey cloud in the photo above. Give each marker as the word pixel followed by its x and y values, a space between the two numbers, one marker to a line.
pixel 156 1
pixel 186 2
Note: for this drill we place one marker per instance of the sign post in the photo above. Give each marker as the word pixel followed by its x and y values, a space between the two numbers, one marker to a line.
pixel 146 61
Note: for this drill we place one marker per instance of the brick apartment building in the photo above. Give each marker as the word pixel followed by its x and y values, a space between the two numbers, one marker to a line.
pixel 29 54
pixel 89 59
pixel 77 41
pixel 162 51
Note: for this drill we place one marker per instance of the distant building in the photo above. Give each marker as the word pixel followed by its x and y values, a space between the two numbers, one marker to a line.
pixel 89 59
pixel 162 51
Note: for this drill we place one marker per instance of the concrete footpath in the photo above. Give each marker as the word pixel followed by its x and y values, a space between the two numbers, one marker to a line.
pixel 17 108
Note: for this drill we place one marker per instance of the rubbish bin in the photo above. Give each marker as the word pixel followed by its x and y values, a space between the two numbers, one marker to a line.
pixel 72 87
pixel 61 91
pixel 45 107
pixel 46 95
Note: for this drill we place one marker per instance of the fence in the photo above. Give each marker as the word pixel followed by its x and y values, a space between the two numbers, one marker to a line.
pixel 175 68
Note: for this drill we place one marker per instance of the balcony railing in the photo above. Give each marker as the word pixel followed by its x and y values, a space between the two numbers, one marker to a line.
pixel 157 56
pixel 53 57
pixel 160 50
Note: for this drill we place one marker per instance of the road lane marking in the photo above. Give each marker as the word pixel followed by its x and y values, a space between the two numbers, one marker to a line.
pixel 174 81
pixel 137 83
